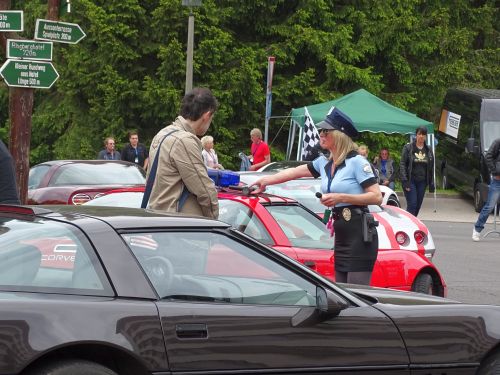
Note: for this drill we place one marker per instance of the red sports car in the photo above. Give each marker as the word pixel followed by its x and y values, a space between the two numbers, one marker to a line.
pixel 78 181
pixel 289 227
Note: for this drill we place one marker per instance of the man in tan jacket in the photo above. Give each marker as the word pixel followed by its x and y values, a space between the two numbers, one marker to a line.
pixel 180 163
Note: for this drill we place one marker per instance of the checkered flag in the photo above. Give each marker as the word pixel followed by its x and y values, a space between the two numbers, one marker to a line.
pixel 311 136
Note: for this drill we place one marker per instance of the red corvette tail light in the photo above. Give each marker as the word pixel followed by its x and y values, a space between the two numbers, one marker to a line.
pixel 419 236
pixel 402 238
pixel 80 198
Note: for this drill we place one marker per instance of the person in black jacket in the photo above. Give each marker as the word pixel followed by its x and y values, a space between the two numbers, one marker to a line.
pixel 135 152
pixel 492 158
pixel 417 171
pixel 8 187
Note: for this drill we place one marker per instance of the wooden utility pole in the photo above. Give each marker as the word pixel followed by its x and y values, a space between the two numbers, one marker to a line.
pixel 20 112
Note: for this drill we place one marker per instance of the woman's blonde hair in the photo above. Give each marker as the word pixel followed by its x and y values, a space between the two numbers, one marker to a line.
pixel 206 140
pixel 343 144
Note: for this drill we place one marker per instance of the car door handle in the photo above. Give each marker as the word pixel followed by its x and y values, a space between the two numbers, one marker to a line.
pixel 310 264
pixel 191 331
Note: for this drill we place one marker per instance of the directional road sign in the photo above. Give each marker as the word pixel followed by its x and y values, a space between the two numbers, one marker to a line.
pixel 27 73
pixel 62 32
pixel 29 49
pixel 11 20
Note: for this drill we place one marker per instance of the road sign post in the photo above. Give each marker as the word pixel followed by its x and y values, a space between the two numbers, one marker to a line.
pixel 29 49
pixel 29 74
pixel 11 20
pixel 62 32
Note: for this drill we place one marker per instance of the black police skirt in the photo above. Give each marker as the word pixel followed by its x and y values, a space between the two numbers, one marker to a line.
pixel 352 254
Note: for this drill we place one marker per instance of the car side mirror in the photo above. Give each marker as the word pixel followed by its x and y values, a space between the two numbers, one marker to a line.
pixel 471 147
pixel 328 305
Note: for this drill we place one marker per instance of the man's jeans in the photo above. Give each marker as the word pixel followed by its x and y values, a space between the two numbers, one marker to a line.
pixel 493 197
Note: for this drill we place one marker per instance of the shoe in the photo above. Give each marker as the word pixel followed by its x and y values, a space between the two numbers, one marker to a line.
pixel 476 236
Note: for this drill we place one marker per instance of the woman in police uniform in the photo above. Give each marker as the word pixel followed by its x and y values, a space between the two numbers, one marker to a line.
pixel 348 185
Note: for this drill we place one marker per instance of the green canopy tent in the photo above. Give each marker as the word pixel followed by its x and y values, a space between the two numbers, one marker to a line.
pixel 369 114
pixel 367 111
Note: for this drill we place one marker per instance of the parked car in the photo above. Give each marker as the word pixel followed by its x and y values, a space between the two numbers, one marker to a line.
pixel 398 229
pixel 389 196
pixel 280 165
pixel 470 122
pixel 78 181
pixel 146 293
pixel 289 227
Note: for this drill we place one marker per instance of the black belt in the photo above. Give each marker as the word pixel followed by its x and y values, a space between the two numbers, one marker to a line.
pixel 347 211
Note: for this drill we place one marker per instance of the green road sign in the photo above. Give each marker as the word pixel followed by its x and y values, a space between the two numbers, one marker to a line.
pixel 29 49
pixel 62 32
pixel 27 73
pixel 11 20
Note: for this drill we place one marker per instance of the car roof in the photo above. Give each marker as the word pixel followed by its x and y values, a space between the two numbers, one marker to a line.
pixel 117 217
pixel 262 198
pixel 93 162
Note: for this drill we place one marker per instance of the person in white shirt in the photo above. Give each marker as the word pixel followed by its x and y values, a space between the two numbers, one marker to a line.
pixel 209 156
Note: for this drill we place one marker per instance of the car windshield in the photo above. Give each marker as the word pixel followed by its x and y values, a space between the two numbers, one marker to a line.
pixel 302 190
pixel 242 218
pixel 98 174
pixel 123 199
pixel 301 227
pixel 491 131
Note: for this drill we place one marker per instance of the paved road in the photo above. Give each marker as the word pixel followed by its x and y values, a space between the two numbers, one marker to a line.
pixel 470 269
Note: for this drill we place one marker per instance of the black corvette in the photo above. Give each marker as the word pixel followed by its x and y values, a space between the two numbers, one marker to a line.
pixel 99 290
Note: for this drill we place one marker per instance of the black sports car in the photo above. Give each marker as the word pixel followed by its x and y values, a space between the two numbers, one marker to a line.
pixel 100 290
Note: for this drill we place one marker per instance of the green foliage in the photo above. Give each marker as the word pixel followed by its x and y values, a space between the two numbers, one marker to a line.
pixel 129 72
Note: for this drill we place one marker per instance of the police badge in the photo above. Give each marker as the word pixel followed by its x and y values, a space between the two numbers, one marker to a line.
pixel 346 214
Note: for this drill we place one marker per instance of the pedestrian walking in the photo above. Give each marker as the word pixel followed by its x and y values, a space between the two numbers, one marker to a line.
pixel 109 152
pixel 8 187
pixel 348 186
pixel 178 180
pixel 417 171
pixel 492 158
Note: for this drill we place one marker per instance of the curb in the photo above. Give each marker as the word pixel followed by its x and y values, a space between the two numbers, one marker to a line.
pixel 400 194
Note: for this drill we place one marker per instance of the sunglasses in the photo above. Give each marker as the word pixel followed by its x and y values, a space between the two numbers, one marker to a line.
pixel 326 131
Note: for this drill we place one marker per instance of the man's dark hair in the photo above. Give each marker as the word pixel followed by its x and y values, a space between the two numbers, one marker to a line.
pixel 196 102
pixel 133 132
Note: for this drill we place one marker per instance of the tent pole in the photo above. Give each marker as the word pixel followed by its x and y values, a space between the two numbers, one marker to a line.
pixel 299 143
pixel 433 148
pixel 291 136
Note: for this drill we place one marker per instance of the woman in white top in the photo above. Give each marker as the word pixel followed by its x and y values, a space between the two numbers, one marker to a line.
pixel 208 153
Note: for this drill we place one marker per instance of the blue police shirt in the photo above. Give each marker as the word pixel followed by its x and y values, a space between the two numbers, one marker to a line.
pixel 350 177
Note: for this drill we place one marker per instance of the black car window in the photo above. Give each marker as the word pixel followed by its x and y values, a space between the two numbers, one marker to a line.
pixel 301 227
pixel 242 218
pixel 205 266
pixel 48 256
pixel 98 174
